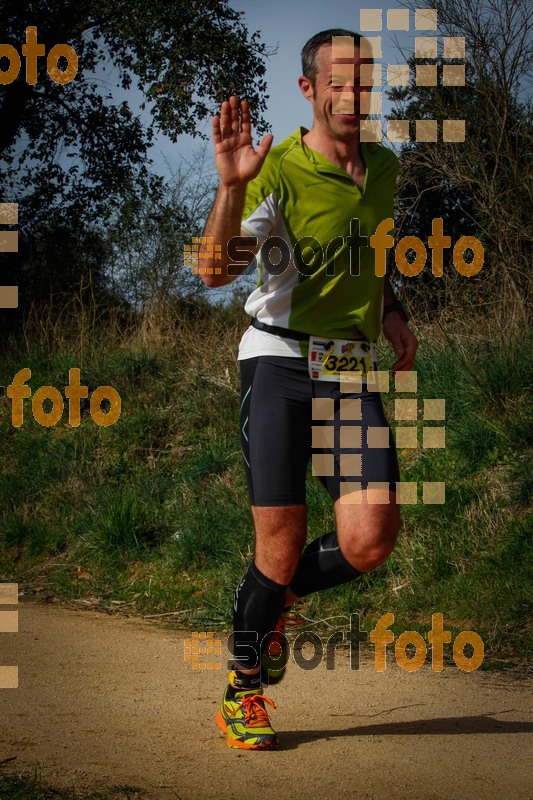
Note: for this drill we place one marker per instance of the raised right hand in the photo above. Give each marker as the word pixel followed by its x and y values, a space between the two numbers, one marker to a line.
pixel 236 160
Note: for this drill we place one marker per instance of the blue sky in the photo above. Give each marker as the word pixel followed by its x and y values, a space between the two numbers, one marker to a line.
pixel 288 24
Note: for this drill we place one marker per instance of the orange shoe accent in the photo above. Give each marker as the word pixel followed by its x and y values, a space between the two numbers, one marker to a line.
pixel 245 721
pixel 255 715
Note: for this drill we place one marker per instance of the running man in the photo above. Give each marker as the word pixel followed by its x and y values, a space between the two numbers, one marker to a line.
pixel 314 318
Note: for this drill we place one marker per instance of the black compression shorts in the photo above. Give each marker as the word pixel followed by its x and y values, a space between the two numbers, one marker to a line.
pixel 282 409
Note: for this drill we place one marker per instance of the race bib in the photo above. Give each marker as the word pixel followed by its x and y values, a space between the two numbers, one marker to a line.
pixel 331 359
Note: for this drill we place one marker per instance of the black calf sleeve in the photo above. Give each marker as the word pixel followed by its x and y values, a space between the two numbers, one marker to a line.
pixel 322 566
pixel 258 604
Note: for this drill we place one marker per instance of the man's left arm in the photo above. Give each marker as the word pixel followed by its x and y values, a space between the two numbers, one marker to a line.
pixel 397 331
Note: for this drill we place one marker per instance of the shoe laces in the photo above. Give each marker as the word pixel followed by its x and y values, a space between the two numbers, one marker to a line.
pixel 255 714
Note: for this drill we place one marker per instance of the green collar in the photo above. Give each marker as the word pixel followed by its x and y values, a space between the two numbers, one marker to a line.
pixel 322 163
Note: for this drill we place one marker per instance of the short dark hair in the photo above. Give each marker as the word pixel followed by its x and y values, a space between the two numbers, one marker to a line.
pixel 310 49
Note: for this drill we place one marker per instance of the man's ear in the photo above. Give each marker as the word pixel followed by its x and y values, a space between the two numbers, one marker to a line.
pixel 306 87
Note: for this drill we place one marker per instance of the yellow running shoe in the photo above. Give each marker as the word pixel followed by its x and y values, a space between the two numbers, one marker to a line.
pixel 244 719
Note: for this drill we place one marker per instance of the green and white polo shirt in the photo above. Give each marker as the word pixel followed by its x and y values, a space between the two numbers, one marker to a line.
pixel 303 197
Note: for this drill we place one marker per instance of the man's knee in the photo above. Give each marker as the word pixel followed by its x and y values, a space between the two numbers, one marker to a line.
pixel 280 536
pixel 367 549
pixel 366 559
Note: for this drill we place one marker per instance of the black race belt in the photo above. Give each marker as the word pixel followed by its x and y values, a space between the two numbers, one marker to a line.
pixel 286 333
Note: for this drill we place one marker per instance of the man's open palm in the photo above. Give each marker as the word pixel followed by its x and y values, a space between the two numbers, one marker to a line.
pixel 236 160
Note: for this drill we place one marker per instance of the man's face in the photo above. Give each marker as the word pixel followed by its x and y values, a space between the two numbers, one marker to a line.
pixel 342 126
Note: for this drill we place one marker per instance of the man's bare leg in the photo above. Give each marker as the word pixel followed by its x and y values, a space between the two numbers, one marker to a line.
pixel 366 527
pixel 366 532
pixel 280 533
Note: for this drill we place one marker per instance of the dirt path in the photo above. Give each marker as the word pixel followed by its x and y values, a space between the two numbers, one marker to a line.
pixel 105 700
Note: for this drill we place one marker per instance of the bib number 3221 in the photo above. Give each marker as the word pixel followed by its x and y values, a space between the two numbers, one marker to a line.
pixel 330 359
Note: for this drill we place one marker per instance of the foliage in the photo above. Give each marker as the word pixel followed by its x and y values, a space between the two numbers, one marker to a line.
pixel 481 187
pixel 77 147
pixel 147 236
pixel 135 261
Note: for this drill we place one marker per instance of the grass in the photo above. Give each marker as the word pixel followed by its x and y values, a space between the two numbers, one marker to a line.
pixel 26 786
pixel 152 512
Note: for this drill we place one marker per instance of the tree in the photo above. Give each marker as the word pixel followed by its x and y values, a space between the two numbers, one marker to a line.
pixel 482 186
pixel 73 147
pixel 148 234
